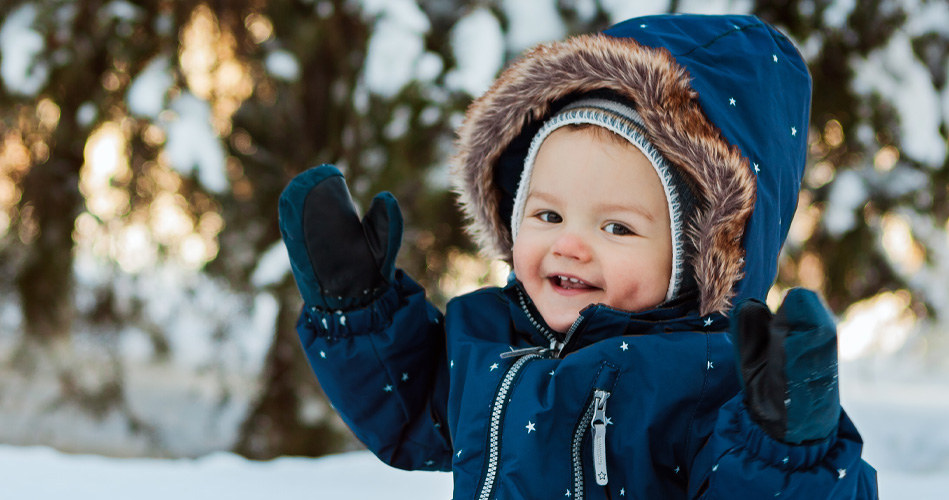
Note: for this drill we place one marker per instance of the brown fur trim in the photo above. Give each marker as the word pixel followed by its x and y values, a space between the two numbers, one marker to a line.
pixel 676 125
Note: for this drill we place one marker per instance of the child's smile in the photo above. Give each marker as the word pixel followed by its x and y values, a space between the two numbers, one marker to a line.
pixel 569 285
pixel 596 228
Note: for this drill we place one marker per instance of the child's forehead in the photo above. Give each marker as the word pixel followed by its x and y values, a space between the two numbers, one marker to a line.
pixel 570 156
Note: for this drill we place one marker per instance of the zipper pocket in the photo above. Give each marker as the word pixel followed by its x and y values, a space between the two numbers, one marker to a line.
pixel 595 416
pixel 494 435
pixel 598 424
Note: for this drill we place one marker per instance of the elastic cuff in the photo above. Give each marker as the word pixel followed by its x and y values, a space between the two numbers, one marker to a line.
pixel 767 449
pixel 372 317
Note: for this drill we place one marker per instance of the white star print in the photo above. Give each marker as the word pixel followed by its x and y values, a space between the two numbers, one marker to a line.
pixel 710 366
pixel 715 468
pixel 551 373
pixel 429 463
pixel 452 364
pixel 708 321
pixel 567 494
pixel 342 320
pixel 793 131
pixel 841 473
pixel 757 169
pixel 622 492
pixel 609 421
pixel 785 460
pixel 731 101
pixel 459 453
pixel 325 325
pixel 624 346
pixel 405 376
pixel 387 388
pixel 530 427
pixel 775 56
pixel 323 354
pixel 676 470
pixel 494 367
pixel 641 26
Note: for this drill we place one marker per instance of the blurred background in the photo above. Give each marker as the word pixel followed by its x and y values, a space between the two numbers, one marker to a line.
pixel 146 302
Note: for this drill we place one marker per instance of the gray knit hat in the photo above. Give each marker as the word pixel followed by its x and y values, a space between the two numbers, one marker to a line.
pixel 619 117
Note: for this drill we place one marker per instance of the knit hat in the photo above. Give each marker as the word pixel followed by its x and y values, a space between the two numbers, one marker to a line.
pixel 610 112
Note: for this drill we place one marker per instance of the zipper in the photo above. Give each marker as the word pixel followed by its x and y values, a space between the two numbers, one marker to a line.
pixel 556 346
pixel 494 436
pixel 515 353
pixel 595 414
pixel 598 424
pixel 570 332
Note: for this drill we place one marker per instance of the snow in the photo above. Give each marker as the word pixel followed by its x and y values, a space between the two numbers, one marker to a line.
pixel 621 10
pixel 27 473
pixel 900 414
pixel 283 64
pixel 532 22
pixel 396 45
pixel 837 13
pixel 717 7
pixel 192 143
pixel 399 124
pixel 86 114
pixel 146 95
pixel 478 44
pixel 21 70
pixel 928 17
pixel 898 76
pixel 122 10
pixel 847 193
pixel 273 265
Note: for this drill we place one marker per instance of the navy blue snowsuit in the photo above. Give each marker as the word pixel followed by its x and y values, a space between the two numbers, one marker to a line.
pixel 490 393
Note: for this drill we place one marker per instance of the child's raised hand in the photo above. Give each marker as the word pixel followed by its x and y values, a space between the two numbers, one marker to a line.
pixel 788 366
pixel 338 261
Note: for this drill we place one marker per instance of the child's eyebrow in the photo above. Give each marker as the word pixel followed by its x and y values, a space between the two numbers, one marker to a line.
pixel 626 207
pixel 549 198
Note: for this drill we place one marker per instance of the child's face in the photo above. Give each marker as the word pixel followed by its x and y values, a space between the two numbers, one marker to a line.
pixel 595 212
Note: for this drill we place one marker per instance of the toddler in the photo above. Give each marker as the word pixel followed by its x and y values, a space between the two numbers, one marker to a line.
pixel 641 183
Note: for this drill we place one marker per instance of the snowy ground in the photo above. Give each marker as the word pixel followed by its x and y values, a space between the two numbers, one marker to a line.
pixel 901 415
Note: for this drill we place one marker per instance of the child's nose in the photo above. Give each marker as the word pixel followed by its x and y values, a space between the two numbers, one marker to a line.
pixel 571 245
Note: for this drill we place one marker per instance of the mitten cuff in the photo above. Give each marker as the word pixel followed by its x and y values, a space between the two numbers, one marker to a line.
pixel 372 317
pixel 743 429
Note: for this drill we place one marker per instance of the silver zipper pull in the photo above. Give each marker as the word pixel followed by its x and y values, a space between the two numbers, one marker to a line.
pixel 556 347
pixel 516 353
pixel 598 423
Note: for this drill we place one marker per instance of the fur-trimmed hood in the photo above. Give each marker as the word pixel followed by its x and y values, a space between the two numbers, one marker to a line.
pixel 724 98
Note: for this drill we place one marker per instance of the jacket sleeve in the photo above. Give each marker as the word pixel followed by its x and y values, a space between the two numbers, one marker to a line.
pixel 383 369
pixel 740 460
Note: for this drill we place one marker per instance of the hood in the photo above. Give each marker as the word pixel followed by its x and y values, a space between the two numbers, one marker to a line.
pixel 724 98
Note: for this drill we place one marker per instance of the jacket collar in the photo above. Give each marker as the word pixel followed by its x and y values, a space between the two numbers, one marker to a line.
pixel 600 321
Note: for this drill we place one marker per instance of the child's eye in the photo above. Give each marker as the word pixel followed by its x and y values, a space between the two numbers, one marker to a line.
pixel 551 217
pixel 617 229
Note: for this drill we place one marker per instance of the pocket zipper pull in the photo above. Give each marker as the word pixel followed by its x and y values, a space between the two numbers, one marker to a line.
pixel 598 423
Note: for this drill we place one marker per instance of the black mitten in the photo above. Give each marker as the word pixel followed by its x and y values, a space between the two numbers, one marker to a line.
pixel 338 261
pixel 788 366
